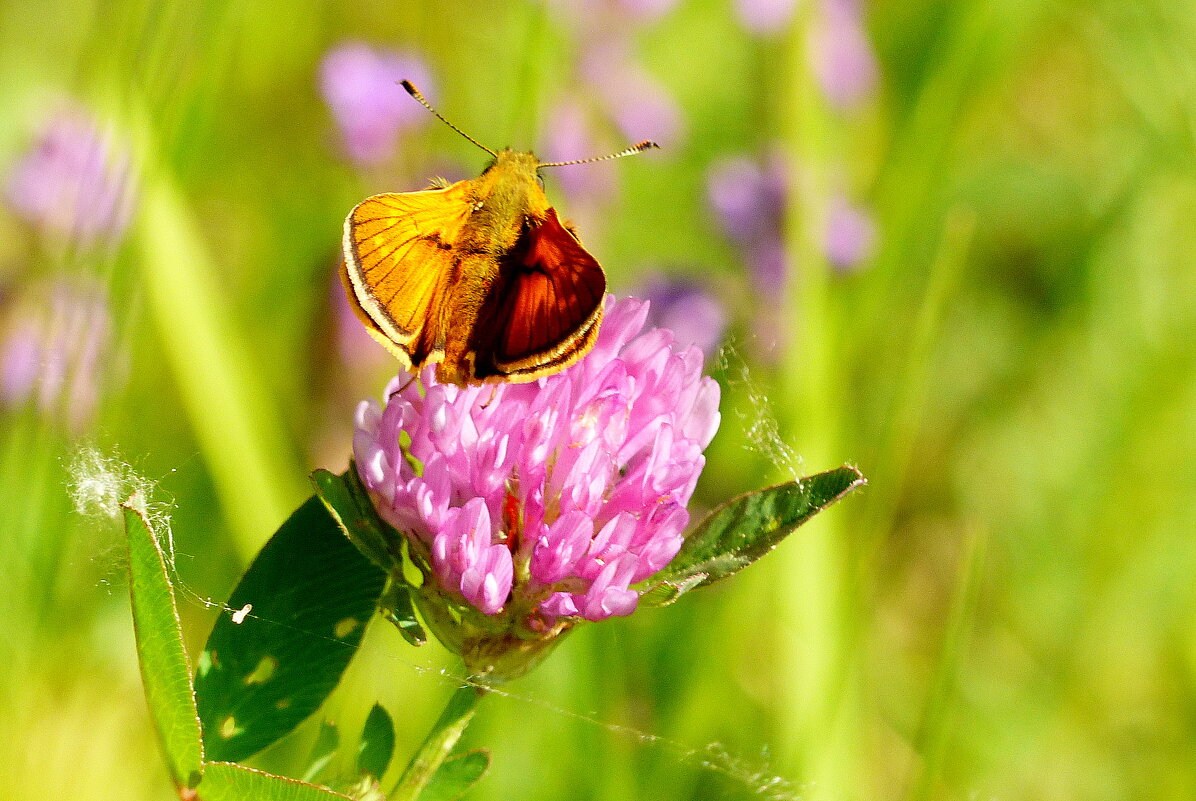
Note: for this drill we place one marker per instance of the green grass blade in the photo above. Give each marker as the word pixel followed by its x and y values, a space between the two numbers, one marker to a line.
pixel 322 751
pixel 239 434
pixel 165 670
pixel 934 733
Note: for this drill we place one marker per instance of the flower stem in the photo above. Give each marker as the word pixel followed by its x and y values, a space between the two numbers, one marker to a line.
pixel 439 743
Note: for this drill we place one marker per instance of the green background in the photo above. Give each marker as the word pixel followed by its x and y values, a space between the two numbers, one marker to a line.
pixel 1005 612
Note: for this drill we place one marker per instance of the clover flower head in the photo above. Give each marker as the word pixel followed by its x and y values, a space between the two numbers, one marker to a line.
pixel 547 500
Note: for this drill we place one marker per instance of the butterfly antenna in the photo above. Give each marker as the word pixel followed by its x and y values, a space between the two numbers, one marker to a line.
pixel 411 90
pixel 639 147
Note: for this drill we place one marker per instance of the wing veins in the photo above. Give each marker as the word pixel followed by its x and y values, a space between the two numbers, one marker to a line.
pixel 363 256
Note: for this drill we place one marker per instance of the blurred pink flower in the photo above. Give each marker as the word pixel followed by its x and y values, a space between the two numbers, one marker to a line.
pixel 612 89
pixel 20 360
pixel 647 10
pixel 75 180
pixel 360 83
pixel 765 16
pixel 841 54
pixel 52 348
pixel 618 91
pixel 850 234
pixel 552 497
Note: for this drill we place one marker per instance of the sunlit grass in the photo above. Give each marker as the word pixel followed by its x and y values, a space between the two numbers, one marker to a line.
pixel 1006 611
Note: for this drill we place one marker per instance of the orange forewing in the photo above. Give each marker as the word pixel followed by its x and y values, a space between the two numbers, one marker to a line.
pixel 398 261
pixel 552 302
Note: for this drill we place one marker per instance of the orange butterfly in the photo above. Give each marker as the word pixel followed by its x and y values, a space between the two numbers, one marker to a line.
pixel 481 276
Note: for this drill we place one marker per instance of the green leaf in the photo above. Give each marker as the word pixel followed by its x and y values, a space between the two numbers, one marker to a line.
pixel 223 781
pixel 745 528
pixel 456 776
pixel 165 670
pixel 304 604
pixel 377 743
pixel 349 502
pixel 667 591
pixel 322 751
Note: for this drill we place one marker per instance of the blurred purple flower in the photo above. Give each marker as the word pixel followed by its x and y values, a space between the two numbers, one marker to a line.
pixel 549 499
pixel 52 348
pixel 602 15
pixel 749 196
pixel 360 83
pixel 569 135
pixel 765 16
pixel 75 180
pixel 688 309
pixel 20 361
pixel 750 199
pixel 640 105
pixel 850 234
pixel 842 57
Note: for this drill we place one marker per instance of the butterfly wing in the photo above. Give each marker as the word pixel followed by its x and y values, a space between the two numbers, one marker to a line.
pixel 552 305
pixel 398 263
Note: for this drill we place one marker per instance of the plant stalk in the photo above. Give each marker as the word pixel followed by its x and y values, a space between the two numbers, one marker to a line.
pixel 439 743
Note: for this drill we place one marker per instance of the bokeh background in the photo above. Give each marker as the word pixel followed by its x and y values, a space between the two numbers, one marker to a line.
pixel 948 241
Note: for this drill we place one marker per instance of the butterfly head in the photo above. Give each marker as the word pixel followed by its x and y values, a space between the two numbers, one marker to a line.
pixel 514 161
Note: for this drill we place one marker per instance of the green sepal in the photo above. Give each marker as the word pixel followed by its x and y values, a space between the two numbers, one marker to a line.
pixel 397 608
pixel 349 503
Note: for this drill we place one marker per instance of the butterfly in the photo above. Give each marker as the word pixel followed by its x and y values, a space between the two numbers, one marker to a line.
pixel 480 277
